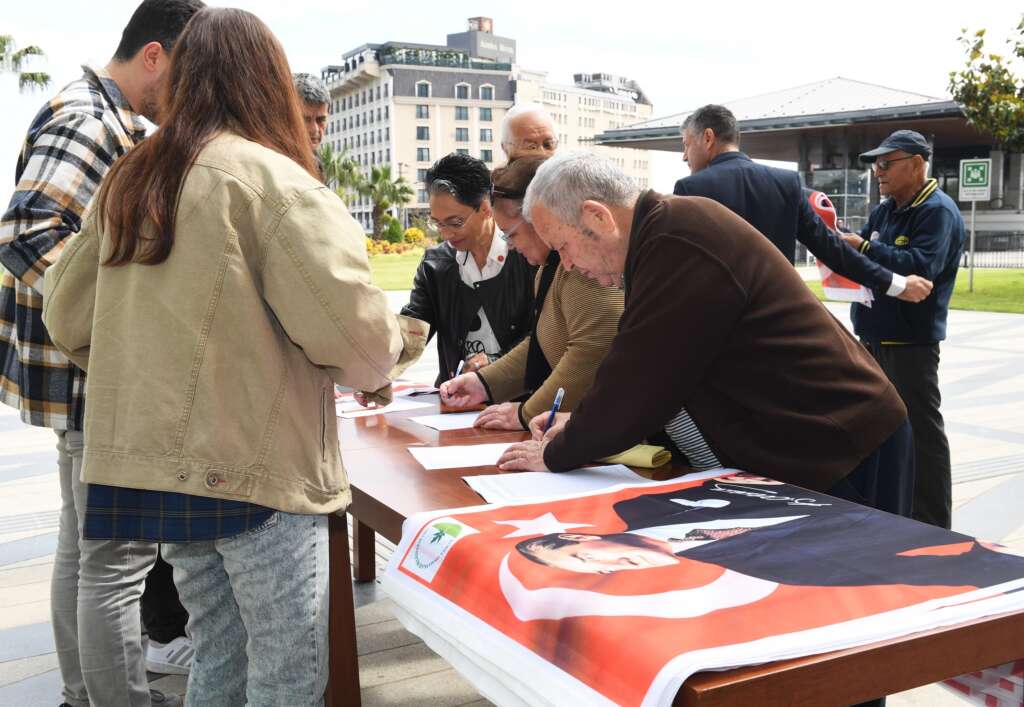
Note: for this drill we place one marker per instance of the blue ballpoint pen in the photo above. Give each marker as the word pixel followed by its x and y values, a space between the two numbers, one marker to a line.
pixel 554 408
pixel 458 371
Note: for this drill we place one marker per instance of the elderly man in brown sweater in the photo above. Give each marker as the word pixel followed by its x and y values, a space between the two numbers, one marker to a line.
pixel 753 372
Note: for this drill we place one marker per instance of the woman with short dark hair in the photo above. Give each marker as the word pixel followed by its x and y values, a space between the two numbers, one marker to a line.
pixel 475 293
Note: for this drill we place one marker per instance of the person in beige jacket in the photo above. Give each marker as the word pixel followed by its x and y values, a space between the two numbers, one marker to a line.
pixel 215 295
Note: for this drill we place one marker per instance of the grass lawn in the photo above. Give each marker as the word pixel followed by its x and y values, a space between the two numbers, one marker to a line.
pixel 994 291
pixel 395 272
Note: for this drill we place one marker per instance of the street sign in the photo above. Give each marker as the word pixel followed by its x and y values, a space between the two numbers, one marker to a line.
pixel 975 180
pixel 975 186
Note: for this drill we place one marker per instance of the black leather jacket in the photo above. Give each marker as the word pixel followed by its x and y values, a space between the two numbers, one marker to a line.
pixel 440 298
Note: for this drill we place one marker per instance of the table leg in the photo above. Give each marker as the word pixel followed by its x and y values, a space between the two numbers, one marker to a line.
pixel 363 553
pixel 343 658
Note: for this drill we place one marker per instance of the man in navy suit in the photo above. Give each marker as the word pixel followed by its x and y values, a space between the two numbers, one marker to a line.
pixel 772 201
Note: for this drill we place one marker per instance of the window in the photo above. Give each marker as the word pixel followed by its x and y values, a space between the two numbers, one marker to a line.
pixel 387 134
pixel 378 93
pixel 387 154
pixel 385 90
pixel 487 93
pixel 487 155
pixel 385 112
pixel 462 90
pixel 485 115
pixel 378 114
pixel 422 132
pixel 461 134
pixel 423 154
pixel 380 135
pixel 359 140
pixel 462 151
pixel 486 135
pixel 422 197
pixel 344 123
pixel 422 112
pixel 461 113
pixel 421 175
pixel 423 89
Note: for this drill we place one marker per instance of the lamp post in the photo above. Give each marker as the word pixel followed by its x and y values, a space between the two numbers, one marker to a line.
pixel 405 211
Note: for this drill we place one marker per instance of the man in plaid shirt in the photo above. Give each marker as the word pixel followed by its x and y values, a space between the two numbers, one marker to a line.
pixel 70 146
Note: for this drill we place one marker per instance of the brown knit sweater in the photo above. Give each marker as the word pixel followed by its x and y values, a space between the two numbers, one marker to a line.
pixel 718 321
pixel 577 324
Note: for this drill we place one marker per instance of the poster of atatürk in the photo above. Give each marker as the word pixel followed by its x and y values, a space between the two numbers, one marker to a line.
pixel 616 597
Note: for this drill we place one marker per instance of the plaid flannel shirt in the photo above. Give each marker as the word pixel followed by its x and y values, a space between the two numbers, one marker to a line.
pixel 72 143
pixel 114 513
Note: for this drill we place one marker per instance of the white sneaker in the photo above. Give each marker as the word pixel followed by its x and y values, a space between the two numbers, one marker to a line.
pixel 174 658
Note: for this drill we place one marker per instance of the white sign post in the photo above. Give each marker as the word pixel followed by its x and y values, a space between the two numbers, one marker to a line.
pixel 975 186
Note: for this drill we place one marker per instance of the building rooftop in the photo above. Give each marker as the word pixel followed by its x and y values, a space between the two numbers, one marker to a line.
pixel 834 101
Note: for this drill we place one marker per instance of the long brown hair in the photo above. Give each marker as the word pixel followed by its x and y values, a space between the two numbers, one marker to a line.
pixel 227 72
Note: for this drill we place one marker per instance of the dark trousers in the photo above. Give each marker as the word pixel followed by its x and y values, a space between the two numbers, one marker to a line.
pixel 885 478
pixel 162 613
pixel 914 371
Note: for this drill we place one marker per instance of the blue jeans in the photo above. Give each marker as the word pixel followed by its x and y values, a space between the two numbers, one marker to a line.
pixel 257 605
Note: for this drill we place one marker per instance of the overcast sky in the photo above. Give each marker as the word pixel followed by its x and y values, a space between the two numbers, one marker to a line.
pixel 681 54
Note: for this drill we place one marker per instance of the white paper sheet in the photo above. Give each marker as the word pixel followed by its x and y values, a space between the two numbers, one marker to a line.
pixel 459 456
pixel 506 488
pixel 449 421
pixel 350 408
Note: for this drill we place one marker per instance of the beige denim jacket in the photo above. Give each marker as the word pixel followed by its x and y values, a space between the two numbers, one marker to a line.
pixel 213 373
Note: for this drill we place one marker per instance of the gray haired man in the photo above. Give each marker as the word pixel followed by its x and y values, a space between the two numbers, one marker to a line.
pixel 759 375
pixel 315 104
pixel 527 129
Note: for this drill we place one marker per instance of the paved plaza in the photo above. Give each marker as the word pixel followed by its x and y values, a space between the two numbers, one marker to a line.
pixel 982 379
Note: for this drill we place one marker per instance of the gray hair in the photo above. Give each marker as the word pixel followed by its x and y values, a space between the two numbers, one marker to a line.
pixel 311 89
pixel 518 110
pixel 568 179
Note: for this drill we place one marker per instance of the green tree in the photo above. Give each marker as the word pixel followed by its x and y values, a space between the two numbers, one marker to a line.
pixel 989 91
pixel 341 172
pixel 384 191
pixel 12 59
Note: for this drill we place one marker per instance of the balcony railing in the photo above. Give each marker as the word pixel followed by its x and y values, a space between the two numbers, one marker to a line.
pixel 444 60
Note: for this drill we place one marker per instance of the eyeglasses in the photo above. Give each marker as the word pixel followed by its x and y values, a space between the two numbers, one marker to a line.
pixel 548 144
pixel 455 223
pixel 508 235
pixel 883 165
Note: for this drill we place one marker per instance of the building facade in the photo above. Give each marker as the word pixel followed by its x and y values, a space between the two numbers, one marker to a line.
pixel 406 105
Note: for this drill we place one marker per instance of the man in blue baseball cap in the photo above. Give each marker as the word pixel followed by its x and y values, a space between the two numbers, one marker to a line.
pixel 916 230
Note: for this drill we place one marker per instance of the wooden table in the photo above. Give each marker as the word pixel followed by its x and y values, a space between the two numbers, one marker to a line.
pixel 388 486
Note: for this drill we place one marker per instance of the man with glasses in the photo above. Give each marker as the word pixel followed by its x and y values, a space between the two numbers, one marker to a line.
pixel 475 293
pixel 917 230
pixel 527 129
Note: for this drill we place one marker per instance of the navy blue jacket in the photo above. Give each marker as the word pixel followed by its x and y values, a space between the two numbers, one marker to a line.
pixel 926 238
pixel 772 201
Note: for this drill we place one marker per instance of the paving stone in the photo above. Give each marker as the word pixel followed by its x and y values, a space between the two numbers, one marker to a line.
pixel 397 664
pixel 374 613
pixel 12 671
pixel 445 688
pixel 382 636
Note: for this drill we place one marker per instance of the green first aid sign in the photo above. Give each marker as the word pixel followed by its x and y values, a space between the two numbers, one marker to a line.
pixel 975 180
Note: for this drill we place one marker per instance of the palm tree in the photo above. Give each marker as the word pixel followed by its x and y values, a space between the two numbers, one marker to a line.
pixel 11 61
pixel 384 192
pixel 341 172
